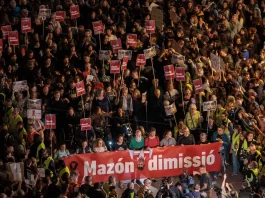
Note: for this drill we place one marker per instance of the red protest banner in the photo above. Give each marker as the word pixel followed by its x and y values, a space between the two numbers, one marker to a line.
pixel 124 62
pixel 85 124
pixel 150 26
pixel 161 162
pixel 116 45
pixel 13 38
pixel 198 86
pixel 80 88
pixel 5 29
pixel 1 45
pixel 98 27
pixel 131 40
pixel 114 66
pixel 74 11
pixel 169 72
pixel 59 16
pixel 50 121
pixel 140 60
pixel 25 25
pixel 180 73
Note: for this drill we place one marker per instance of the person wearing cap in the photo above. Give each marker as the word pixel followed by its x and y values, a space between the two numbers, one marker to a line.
pixel 47 162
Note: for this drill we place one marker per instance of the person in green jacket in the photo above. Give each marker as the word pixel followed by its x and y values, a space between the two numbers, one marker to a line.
pixel 137 142
pixel 234 148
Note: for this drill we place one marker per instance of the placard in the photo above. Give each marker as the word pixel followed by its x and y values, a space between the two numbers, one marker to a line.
pixel 174 17
pixel 178 59
pixel 1 45
pixel 80 88
pixel 59 16
pixel 104 55
pixel 26 25
pixel 34 109
pixel 150 53
pixel 180 74
pixel 114 66
pixel 158 16
pixel 85 124
pixel 15 171
pixel 170 109
pixel 98 27
pixel 217 62
pixel 198 86
pixel 169 72
pixel 116 45
pixel 44 13
pixel 50 121
pixel 150 26
pixel 123 53
pixel 131 40
pixel 209 106
pixel 144 97
pixel 20 85
pixel 124 62
pixel 41 172
pixel 74 11
pixel 140 60
pixel 13 38
pixel 5 29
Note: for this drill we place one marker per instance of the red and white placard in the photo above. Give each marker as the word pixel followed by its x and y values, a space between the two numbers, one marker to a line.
pixel 150 26
pixel 180 73
pixel 85 124
pixel 25 25
pixel 124 62
pixel 80 88
pixel 59 16
pixel 98 27
pixel 5 29
pixel 131 40
pixel 169 72
pixel 1 45
pixel 13 38
pixel 116 45
pixel 198 86
pixel 140 60
pixel 114 66
pixel 74 11
pixel 50 121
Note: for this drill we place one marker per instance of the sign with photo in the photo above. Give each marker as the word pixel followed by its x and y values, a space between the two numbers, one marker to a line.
pixel 74 11
pixel 116 45
pixel 80 88
pixel 98 27
pixel 59 16
pixel 50 121
pixel 123 53
pixel 104 55
pixel 180 73
pixel 13 38
pixel 25 25
pixel 34 109
pixel 20 85
pixel 15 171
pixel 150 26
pixel 5 29
pixel 178 59
pixel 131 40
pixel 114 66
pixel 44 13
pixel 209 106
pixel 170 109
pixel 217 62
pixel 85 124
pixel 150 53
pixel 198 86
pixel 169 72
pixel 140 60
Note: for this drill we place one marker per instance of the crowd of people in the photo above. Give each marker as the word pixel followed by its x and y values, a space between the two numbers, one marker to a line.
pixel 128 110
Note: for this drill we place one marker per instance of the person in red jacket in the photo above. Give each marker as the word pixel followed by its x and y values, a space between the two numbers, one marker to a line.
pixel 152 141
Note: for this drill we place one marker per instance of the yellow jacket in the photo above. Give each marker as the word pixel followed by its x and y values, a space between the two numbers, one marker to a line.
pixel 192 122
